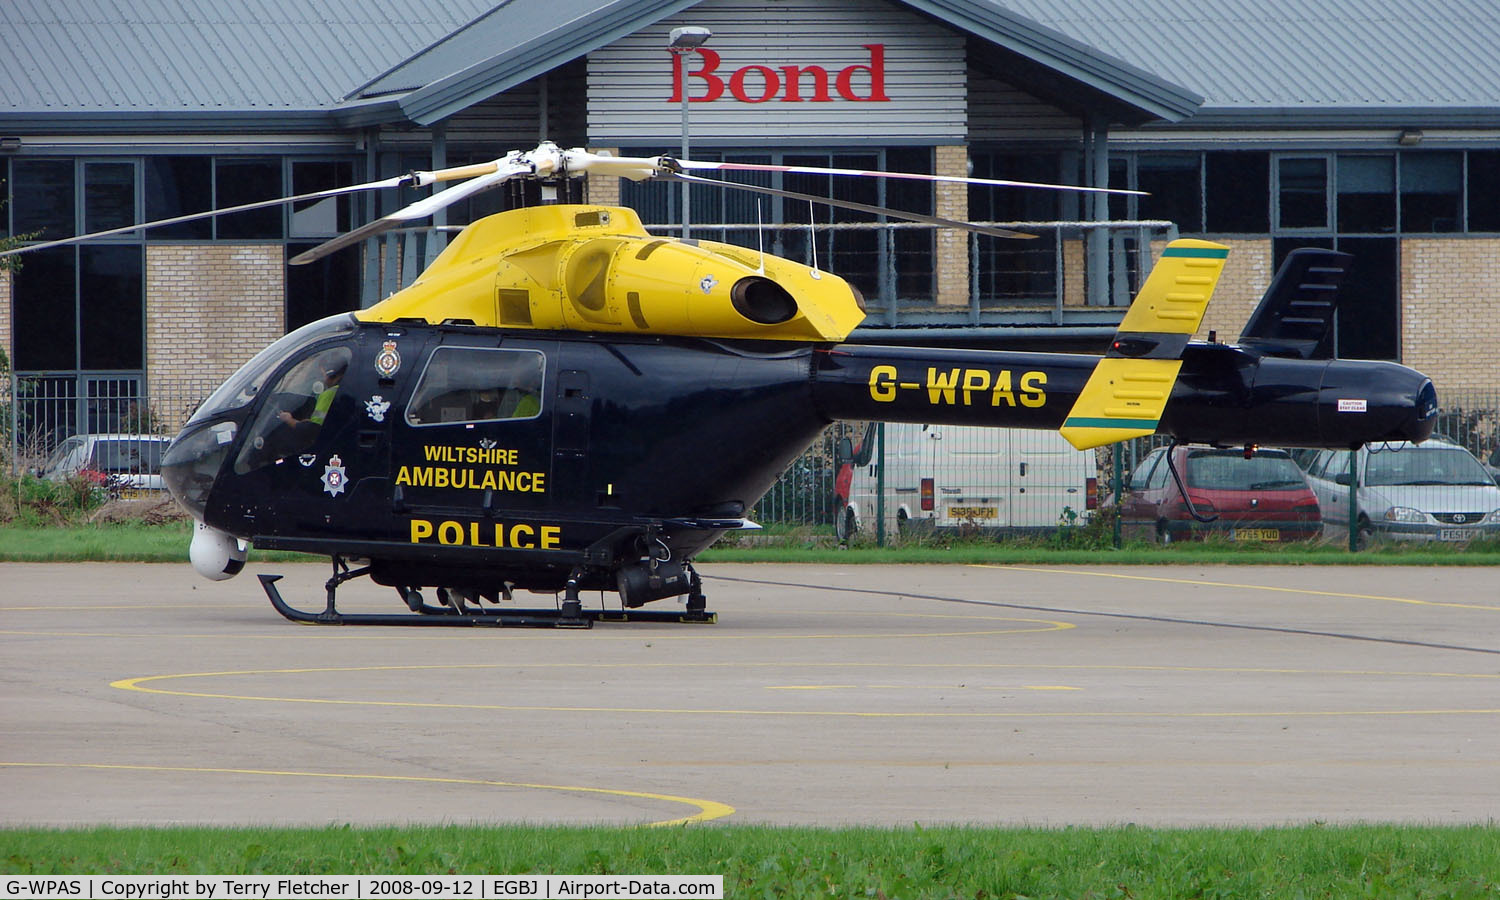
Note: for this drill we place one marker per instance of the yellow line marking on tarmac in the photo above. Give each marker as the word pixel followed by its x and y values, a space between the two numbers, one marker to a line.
pixel 1230 584
pixel 707 809
pixel 920 687
pixel 138 684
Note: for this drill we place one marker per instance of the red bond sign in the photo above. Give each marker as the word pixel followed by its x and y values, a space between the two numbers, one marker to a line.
pixel 790 84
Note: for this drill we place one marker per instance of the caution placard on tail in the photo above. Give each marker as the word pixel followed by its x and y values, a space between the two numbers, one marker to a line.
pixel 1129 388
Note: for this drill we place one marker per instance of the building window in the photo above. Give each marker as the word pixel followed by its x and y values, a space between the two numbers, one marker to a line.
pixel 883 263
pixel 1484 190
pixel 322 287
pixel 330 216
pixel 1366 194
pixel 42 198
pixel 1431 192
pixel 241 181
pixel 80 308
pixel 179 186
pixel 108 195
pixel 43 311
pixel 1014 271
pixel 1174 182
pixel 1302 193
pixel 1237 192
pixel 111 307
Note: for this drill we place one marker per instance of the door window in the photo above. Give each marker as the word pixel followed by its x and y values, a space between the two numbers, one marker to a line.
pixel 471 384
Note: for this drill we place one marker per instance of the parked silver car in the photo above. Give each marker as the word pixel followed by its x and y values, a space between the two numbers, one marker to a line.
pixel 1434 491
pixel 126 463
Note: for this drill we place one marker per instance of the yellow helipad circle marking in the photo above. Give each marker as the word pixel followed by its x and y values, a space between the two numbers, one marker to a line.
pixel 139 684
pixel 707 809
pixel 1249 587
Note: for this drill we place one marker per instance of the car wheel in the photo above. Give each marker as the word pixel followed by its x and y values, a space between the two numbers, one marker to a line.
pixel 847 526
pixel 903 522
pixel 1364 535
pixel 1163 534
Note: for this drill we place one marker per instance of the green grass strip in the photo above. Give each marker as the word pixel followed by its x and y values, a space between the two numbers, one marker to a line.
pixel 1311 861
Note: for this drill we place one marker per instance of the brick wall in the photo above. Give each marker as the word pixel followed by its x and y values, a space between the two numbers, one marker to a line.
pixel 952 202
pixel 1247 274
pixel 209 308
pixel 10 351
pixel 1450 311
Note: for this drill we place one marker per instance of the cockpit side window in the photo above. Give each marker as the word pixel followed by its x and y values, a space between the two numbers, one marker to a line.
pixel 296 408
pixel 243 386
pixel 473 384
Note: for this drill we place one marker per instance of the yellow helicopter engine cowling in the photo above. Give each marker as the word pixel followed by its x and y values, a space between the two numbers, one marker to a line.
pixel 593 268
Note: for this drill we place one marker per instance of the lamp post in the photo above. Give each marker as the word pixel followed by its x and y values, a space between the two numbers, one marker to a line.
pixel 681 42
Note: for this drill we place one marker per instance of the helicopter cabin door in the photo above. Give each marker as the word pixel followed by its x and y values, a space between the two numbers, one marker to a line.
pixel 477 431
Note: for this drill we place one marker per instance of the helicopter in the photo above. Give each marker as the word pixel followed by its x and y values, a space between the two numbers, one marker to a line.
pixel 563 402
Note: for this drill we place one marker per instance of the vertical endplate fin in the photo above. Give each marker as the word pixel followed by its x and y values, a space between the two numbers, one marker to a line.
pixel 1128 390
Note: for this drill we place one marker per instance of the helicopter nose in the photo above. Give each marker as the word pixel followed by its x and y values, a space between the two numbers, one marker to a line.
pixel 191 465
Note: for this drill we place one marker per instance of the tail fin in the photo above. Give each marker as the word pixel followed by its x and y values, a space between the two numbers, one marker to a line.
pixel 1128 390
pixel 1295 317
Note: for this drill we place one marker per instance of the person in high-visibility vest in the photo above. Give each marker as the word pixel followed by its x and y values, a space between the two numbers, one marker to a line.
pixel 332 377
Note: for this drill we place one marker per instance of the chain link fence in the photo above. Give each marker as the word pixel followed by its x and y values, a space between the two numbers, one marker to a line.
pixel 892 483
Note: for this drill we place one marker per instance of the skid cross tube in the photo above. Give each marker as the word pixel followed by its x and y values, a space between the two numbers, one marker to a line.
pixel 568 615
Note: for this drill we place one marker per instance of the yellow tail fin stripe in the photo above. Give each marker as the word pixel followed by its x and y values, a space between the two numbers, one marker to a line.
pixel 1176 293
pixel 1111 409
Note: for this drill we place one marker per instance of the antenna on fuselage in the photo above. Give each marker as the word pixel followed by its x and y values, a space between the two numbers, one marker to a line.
pixel 812 238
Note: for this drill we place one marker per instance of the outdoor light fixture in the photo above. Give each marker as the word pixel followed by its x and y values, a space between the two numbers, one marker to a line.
pixel 681 42
pixel 1409 137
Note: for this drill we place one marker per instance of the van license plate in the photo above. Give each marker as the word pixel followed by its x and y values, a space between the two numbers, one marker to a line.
pixel 135 494
pixel 973 512
pixel 1458 534
pixel 1255 534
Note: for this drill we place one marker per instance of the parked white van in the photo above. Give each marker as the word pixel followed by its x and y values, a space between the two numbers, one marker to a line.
pixel 1005 481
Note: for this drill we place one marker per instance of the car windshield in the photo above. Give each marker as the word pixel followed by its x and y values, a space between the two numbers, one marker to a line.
pixel 140 457
pixel 1229 470
pixel 1425 465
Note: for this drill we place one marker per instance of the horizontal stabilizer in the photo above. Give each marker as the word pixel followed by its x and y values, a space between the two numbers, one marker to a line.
pixel 1295 317
pixel 1128 390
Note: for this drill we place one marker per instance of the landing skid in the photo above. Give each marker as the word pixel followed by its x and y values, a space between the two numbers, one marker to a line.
pixel 569 614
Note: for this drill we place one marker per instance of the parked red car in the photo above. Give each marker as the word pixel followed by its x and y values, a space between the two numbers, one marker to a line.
pixel 1263 498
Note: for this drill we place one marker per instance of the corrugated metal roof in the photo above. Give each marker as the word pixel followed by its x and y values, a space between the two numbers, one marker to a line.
pixel 518 40
pixel 83 56
pixel 1310 57
pixel 1330 61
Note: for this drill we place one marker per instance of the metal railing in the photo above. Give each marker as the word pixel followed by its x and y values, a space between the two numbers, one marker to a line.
pixel 40 411
pixel 894 264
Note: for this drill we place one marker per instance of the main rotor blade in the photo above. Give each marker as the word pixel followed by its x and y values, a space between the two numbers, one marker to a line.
pixel 858 207
pixel 503 171
pixel 912 176
pixel 398 181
